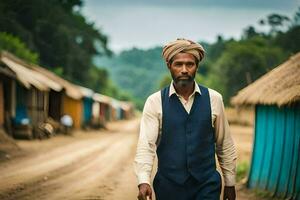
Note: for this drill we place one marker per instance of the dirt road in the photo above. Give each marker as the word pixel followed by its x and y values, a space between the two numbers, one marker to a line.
pixel 88 165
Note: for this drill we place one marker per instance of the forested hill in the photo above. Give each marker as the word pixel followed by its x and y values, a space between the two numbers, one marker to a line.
pixel 136 71
pixel 229 65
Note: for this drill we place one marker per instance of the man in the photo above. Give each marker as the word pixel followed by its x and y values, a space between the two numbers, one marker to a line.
pixel 185 125
pixel 67 123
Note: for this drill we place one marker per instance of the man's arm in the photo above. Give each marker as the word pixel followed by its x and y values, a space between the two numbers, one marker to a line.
pixel 146 147
pixel 225 150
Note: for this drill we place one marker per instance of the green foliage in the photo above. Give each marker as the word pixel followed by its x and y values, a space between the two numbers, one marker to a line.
pixel 58 71
pixel 70 46
pixel 136 71
pixel 277 22
pixel 14 45
pixel 228 66
pixel 289 41
pixel 98 79
pixel 243 62
pixel 242 170
pixel 65 40
pixel 59 32
pixel 165 81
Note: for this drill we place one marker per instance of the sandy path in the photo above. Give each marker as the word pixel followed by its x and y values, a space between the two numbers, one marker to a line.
pixel 88 165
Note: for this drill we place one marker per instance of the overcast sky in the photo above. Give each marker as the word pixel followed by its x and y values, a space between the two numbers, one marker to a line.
pixel 148 23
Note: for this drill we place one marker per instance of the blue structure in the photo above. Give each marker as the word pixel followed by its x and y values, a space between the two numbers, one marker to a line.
pixel 275 162
pixel 275 165
pixel 21 114
pixel 87 105
pixel 87 110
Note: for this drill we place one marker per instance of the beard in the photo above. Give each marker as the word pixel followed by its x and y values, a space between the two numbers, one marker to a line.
pixel 183 81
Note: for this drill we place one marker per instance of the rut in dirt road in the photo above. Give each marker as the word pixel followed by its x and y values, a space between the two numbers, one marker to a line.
pixel 86 169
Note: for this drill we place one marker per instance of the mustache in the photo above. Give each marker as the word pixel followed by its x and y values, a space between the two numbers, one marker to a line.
pixel 186 76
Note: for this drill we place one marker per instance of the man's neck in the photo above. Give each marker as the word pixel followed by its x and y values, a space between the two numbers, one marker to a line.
pixel 184 91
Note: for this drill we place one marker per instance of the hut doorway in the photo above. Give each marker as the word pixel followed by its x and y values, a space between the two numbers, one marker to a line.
pixel 55 105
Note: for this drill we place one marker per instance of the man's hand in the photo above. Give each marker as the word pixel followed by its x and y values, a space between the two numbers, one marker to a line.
pixel 144 191
pixel 229 193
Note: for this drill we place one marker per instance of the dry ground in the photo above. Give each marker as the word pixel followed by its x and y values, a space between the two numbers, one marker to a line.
pixel 87 165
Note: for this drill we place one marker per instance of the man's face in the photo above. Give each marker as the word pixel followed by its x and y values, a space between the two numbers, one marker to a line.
pixel 183 68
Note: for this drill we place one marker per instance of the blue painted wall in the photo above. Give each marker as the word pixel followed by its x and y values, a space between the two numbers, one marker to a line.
pixel 275 165
pixel 87 110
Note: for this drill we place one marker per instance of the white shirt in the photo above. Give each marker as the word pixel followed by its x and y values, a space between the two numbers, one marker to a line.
pixel 150 131
pixel 66 120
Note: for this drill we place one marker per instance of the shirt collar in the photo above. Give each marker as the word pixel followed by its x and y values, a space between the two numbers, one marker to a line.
pixel 173 91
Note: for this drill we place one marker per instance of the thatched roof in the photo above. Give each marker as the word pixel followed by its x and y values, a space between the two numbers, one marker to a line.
pixel 71 89
pixel 280 86
pixel 126 105
pixel 27 76
pixel 86 92
pixel 102 98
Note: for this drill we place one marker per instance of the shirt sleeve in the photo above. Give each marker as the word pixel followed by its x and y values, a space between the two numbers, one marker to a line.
pixel 146 147
pixel 225 148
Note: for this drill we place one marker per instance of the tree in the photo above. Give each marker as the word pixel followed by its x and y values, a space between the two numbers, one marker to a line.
pixel 14 45
pixel 58 31
pixel 296 20
pixel 276 22
pixel 243 62
pixel 249 32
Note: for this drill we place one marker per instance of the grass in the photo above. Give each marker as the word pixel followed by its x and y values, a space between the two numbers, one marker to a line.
pixel 242 170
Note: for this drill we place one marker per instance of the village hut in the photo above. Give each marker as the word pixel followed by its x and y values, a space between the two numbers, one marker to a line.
pixel 275 165
pixel 1 103
pixel 95 122
pixel 116 110
pixel 127 110
pixel 7 78
pixel 66 102
pixel 87 105
pixel 101 109
pixel 28 95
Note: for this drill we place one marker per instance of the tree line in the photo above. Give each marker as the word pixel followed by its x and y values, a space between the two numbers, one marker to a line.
pixel 55 35
pixel 229 64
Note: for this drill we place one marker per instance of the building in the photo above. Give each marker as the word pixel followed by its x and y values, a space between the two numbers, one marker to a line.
pixel 25 97
pixel 275 165
pixel 87 106
pixel 68 101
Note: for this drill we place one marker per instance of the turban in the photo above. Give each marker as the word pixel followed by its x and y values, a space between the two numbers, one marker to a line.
pixel 182 46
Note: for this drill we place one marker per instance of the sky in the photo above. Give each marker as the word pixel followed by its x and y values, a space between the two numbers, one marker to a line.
pixel 149 23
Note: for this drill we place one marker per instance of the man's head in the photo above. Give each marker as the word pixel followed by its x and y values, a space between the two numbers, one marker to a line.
pixel 182 46
pixel 182 58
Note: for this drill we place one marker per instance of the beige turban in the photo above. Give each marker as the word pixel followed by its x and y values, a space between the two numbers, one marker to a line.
pixel 183 46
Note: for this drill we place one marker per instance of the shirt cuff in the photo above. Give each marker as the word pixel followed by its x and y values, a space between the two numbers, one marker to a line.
pixel 143 178
pixel 230 180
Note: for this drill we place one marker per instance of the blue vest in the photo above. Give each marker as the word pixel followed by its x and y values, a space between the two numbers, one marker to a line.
pixel 187 143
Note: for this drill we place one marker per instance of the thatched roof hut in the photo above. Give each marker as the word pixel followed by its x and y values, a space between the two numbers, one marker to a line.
pixel 280 86
pixel 71 89
pixel 26 76
pixel 275 163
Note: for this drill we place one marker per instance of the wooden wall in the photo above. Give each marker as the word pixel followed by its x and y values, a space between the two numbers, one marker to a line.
pixel 73 108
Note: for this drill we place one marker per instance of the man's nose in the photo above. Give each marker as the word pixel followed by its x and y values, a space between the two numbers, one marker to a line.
pixel 184 69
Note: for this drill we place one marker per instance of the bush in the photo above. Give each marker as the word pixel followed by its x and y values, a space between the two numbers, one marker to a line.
pixel 15 46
